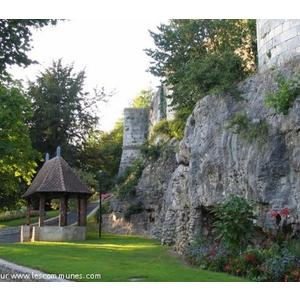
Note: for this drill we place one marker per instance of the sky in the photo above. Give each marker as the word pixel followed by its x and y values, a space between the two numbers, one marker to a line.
pixel 107 38
pixel 109 50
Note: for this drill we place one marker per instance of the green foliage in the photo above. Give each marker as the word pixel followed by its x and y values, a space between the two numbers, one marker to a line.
pixel 103 150
pixel 151 151
pixel 15 38
pixel 174 128
pixel 257 131
pixel 201 56
pixel 250 131
pixel 34 219
pixel 104 210
pixel 128 180
pixel 161 128
pixel 234 221
pixel 283 99
pixel 177 125
pixel 143 99
pixel 16 214
pixel 118 258
pixel 238 124
pixel 133 209
pixel 17 157
pixel 216 72
pixel 64 114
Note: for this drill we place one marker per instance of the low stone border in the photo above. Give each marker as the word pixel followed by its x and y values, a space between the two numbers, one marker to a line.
pixel 10 230
pixel 10 272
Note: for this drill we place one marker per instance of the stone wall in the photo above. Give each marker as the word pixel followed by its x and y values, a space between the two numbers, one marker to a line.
pixel 179 191
pixel 213 162
pixel 278 41
pixel 136 123
pixel 58 234
pixel 10 230
pixel 161 108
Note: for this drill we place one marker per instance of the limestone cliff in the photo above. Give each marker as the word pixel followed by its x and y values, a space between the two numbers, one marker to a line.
pixel 261 161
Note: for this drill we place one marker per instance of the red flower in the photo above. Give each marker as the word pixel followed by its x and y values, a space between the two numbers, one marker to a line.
pixel 248 257
pixel 273 214
pixel 285 213
pixel 286 278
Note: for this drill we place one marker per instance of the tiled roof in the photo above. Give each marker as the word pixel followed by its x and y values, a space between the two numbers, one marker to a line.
pixel 57 177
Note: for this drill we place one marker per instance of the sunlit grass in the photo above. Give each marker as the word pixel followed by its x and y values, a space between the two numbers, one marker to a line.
pixel 117 258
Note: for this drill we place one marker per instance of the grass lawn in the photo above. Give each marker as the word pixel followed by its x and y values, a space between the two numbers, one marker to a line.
pixel 21 221
pixel 117 258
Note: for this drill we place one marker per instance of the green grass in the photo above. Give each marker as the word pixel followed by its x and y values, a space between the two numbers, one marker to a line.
pixel 21 221
pixel 117 258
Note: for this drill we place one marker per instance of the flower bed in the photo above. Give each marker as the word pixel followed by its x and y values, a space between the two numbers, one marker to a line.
pixel 275 263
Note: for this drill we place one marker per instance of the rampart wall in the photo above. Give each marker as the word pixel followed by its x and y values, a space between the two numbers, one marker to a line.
pixel 136 123
pixel 278 42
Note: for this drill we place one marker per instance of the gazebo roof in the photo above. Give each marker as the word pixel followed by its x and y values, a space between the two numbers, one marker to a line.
pixel 56 177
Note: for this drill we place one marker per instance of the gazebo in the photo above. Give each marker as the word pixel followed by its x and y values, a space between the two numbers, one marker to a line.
pixel 56 180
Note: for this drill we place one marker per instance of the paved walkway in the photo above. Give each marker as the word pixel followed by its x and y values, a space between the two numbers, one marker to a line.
pixel 72 219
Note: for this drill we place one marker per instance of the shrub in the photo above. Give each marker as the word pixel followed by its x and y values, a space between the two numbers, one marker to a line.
pixel 104 210
pixel 234 222
pixel 128 180
pixel 151 151
pixel 282 100
pixel 161 128
pixel 17 214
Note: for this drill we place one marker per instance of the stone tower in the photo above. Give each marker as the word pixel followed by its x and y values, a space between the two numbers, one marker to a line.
pixel 136 122
pixel 278 42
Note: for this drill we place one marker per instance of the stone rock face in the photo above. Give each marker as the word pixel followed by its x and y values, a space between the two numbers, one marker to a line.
pixel 213 162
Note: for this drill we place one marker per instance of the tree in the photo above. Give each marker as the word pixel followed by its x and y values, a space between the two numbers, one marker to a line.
pixel 17 158
pixel 143 99
pixel 64 114
pixel 15 38
pixel 102 151
pixel 197 57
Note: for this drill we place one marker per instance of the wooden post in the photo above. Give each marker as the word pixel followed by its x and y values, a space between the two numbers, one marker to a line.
pixel 79 211
pixel 63 211
pixel 42 210
pixel 82 212
pixel 28 212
